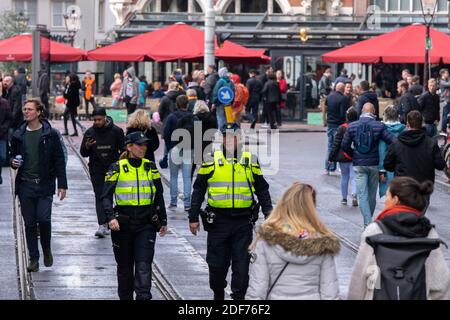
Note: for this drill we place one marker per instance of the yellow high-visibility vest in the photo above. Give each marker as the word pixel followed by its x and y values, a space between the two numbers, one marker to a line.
pixel 134 186
pixel 231 185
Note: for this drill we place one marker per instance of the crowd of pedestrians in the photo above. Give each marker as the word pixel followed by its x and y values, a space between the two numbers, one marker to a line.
pixel 292 256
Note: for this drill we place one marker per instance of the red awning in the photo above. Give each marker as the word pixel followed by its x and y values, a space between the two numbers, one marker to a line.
pixel 176 42
pixel 405 45
pixel 20 48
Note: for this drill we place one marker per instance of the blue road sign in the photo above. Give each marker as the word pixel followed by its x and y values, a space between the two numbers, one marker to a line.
pixel 225 95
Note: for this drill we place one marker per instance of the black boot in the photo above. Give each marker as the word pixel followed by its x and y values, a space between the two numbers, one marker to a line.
pixel 33 266
pixel 48 257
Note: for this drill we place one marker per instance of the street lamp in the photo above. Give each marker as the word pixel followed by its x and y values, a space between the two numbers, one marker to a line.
pixel 72 20
pixel 22 21
pixel 428 11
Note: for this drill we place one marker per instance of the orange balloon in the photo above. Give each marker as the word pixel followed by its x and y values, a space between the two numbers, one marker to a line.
pixel 59 99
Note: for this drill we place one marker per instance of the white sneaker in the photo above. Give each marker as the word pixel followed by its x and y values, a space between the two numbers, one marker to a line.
pixel 99 233
pixel 105 229
pixel 265 126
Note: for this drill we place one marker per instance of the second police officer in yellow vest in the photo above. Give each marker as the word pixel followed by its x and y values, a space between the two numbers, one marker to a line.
pixel 139 213
pixel 231 180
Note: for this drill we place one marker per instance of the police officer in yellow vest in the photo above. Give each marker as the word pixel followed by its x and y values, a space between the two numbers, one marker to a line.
pixel 231 179
pixel 139 213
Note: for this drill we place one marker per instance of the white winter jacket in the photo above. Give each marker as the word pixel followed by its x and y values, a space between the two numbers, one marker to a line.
pixel 310 274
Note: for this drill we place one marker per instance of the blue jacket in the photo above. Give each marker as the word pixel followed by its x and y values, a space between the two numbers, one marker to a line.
pixel 380 132
pixel 395 129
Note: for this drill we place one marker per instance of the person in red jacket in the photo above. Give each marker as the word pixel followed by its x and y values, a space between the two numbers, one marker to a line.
pixel 283 88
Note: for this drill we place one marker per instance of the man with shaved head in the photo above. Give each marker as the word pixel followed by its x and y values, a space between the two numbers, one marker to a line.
pixel 334 114
pixel 12 93
pixel 365 135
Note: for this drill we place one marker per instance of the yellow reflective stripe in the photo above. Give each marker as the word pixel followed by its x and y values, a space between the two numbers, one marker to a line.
pixel 227 184
pixel 228 196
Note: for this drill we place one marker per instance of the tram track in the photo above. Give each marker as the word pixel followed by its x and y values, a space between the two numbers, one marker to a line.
pixel 161 282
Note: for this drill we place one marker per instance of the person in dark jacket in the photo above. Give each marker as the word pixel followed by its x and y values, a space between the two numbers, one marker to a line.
pixel 429 103
pixel 407 101
pixel 211 80
pixel 167 106
pixel 140 121
pixel 11 92
pixel 5 123
pixel 209 128
pixel 345 161
pixel 72 96
pixel 365 134
pixel 272 97
pixel 254 87
pixel 343 77
pixel 21 80
pixel 416 89
pixel 102 143
pixel 414 154
pixel 43 162
pixel 336 105
pixel 325 83
pixel 44 88
pixel 180 157
pixel 367 96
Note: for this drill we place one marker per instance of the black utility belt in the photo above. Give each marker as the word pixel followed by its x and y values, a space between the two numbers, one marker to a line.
pixel 127 219
pixel 35 180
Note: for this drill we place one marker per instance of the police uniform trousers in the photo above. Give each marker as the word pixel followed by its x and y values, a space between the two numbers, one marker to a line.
pixel 134 248
pixel 228 241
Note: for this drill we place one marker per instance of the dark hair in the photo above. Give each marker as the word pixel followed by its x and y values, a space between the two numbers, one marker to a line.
pixel 182 101
pixel 344 71
pixel 365 85
pixel 252 71
pixel 271 76
pixel 403 84
pixel 351 114
pixel 142 78
pixel 37 103
pixel 442 71
pixel 414 119
pixel 410 192
pixel 99 112
pixel 415 79
pixel 73 77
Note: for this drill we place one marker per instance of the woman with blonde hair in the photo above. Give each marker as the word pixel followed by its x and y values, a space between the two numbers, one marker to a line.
pixel 294 252
pixel 140 121
pixel 115 90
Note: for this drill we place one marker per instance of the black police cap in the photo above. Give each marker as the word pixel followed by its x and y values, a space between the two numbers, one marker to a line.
pixel 137 138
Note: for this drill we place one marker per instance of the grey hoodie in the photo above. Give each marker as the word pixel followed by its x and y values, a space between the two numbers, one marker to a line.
pixel 134 83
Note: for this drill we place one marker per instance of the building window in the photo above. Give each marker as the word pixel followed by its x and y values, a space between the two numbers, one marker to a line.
pixel 29 8
pixel 174 6
pixel 407 5
pixel 254 7
pixel 101 14
pixel 59 9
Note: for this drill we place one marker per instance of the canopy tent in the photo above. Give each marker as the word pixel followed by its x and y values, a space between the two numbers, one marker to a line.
pixel 173 43
pixel 20 48
pixel 405 45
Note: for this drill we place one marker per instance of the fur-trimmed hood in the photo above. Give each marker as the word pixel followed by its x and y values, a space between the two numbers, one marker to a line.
pixel 298 250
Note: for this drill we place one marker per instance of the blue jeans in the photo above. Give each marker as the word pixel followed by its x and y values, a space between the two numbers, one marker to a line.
pixel 331 132
pixel 180 161
pixel 3 144
pixel 366 185
pixel 431 130
pixel 221 118
pixel 347 175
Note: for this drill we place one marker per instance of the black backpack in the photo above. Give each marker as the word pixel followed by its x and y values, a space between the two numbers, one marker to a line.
pixel 364 138
pixel 401 261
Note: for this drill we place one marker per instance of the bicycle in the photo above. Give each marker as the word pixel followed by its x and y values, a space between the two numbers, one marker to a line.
pixel 443 141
